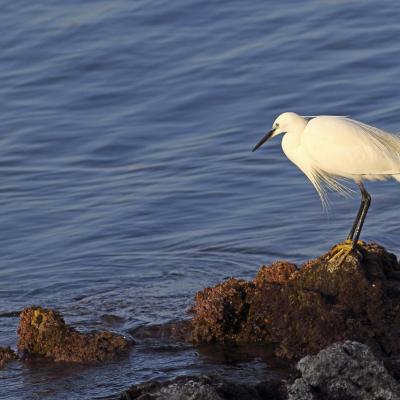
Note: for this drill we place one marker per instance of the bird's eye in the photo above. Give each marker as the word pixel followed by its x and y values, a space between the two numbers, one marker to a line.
pixel 276 125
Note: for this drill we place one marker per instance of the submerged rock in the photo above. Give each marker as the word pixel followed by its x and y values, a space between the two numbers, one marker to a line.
pixel 304 310
pixel 6 355
pixel 43 332
pixel 205 388
pixel 177 331
pixel 343 371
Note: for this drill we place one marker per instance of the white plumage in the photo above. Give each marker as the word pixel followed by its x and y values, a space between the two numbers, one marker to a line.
pixel 331 149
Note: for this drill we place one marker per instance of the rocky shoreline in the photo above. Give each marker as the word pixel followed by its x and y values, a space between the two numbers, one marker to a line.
pixel 306 309
pixel 340 319
pixel 342 371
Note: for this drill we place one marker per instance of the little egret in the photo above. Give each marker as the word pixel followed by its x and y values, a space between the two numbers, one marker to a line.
pixel 330 150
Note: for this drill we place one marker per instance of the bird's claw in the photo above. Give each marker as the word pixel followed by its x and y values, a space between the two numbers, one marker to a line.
pixel 342 250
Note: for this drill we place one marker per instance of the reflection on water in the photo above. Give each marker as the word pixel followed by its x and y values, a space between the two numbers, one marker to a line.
pixel 127 178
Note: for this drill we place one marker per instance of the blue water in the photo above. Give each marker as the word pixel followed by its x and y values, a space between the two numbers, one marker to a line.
pixel 126 177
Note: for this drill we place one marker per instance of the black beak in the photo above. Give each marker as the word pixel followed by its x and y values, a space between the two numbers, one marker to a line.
pixel 264 139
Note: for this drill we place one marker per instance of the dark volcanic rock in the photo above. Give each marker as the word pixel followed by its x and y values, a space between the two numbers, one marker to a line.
pixel 6 355
pixel 43 332
pixel 205 388
pixel 307 309
pixel 343 371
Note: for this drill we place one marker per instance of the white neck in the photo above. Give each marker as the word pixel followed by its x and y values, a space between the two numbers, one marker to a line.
pixel 291 139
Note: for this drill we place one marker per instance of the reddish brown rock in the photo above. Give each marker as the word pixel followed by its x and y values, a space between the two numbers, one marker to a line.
pixel 43 332
pixel 306 309
pixel 278 272
pixel 6 355
pixel 221 312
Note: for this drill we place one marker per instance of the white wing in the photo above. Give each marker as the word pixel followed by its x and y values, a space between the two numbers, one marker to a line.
pixel 346 148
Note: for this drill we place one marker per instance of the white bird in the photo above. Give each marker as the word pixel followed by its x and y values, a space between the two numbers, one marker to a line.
pixel 331 150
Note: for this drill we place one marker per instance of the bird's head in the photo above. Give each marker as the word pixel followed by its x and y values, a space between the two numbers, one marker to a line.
pixel 286 122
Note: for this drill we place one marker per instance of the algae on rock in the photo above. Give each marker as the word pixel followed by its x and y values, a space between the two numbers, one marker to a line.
pixel 306 309
pixel 43 332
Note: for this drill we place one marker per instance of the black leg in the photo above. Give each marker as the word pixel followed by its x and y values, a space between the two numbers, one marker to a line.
pixel 366 199
pixel 357 226
pixel 354 234
pixel 355 223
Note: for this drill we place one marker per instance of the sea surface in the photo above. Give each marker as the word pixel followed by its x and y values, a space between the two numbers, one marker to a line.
pixel 127 181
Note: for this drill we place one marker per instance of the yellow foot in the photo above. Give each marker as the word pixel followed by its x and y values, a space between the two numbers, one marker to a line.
pixel 342 250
